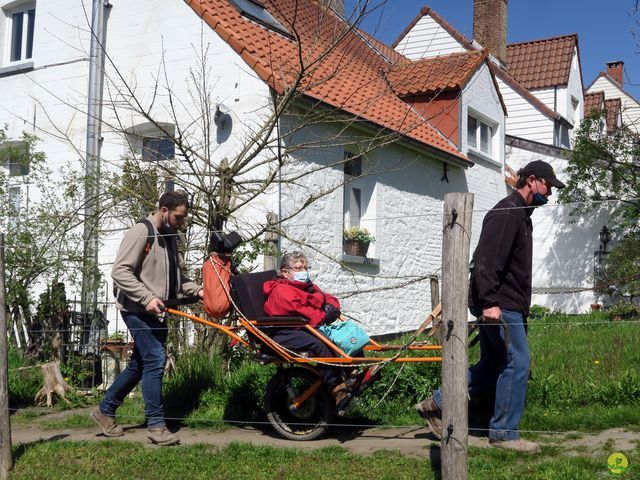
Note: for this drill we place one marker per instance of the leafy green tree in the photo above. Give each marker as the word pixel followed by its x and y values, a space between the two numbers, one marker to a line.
pixel 40 217
pixel 605 166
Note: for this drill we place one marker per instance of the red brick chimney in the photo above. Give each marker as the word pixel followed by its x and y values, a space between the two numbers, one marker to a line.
pixel 490 27
pixel 616 71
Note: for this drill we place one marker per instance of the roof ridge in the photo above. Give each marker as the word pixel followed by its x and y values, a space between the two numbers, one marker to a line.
pixel 548 39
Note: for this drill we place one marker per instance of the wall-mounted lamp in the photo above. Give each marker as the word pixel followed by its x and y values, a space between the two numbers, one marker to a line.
pixel 605 238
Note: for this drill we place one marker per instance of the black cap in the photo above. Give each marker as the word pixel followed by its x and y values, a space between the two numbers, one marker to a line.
pixel 541 169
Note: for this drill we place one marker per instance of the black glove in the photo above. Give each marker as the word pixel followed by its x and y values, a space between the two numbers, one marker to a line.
pixel 331 313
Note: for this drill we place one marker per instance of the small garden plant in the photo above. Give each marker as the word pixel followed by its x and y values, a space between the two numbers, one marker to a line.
pixel 359 234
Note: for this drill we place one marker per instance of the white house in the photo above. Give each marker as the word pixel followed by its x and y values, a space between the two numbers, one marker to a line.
pixel 541 85
pixel 369 139
pixel 610 85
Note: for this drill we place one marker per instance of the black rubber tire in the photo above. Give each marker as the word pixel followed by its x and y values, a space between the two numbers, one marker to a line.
pixel 312 419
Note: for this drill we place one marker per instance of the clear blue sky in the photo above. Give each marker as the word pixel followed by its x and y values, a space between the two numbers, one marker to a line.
pixel 603 26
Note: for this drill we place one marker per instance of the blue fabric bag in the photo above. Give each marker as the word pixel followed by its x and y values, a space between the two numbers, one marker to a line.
pixel 346 335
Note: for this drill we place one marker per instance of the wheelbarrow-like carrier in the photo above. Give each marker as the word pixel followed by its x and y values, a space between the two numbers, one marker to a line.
pixel 297 403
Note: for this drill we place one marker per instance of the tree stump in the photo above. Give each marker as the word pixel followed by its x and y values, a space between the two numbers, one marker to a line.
pixel 54 384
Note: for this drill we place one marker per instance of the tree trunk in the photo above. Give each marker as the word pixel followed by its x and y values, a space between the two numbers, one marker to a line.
pixel 54 384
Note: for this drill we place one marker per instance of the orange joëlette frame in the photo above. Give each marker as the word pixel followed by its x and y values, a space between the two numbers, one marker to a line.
pixel 341 358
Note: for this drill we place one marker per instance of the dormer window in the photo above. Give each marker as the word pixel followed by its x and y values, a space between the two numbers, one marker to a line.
pixel 480 135
pixel 256 11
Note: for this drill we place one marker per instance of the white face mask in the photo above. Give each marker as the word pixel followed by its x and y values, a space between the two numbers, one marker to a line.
pixel 302 276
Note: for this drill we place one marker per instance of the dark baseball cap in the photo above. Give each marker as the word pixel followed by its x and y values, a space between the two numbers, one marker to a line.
pixel 541 169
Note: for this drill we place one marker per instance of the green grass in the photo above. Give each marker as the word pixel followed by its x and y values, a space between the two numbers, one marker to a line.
pixel 584 377
pixel 117 460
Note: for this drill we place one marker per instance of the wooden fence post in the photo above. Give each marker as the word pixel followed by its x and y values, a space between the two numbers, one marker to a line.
pixel 435 300
pixel 6 456
pixel 456 239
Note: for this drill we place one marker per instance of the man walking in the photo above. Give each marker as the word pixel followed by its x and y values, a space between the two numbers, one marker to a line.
pixel 146 272
pixel 500 296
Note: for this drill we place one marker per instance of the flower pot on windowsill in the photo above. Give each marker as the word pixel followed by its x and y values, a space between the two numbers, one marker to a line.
pixel 357 248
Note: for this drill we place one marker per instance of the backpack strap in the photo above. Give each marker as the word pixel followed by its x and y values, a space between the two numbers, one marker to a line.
pixel 151 237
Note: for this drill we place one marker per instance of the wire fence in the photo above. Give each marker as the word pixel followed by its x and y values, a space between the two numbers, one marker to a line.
pixel 94 363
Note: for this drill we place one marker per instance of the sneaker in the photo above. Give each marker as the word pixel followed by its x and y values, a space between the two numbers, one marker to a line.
pixel 162 436
pixel 428 410
pixel 107 423
pixel 519 445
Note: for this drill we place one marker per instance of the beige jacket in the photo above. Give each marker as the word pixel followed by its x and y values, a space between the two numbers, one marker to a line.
pixel 134 293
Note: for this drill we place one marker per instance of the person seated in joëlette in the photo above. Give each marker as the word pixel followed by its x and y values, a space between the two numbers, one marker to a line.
pixel 294 294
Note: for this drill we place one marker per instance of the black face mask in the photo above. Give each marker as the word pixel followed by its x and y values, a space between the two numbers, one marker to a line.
pixel 539 200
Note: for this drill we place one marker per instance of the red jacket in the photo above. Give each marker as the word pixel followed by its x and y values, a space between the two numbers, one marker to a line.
pixel 291 298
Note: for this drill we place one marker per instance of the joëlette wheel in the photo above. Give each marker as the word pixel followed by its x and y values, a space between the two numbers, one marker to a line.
pixel 311 419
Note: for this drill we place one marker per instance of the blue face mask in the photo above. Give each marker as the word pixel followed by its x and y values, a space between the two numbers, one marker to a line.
pixel 539 200
pixel 302 276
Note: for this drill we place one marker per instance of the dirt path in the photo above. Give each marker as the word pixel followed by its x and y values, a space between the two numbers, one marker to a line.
pixel 411 441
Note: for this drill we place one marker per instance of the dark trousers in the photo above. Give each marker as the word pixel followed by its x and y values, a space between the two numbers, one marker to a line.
pixel 303 341
pixel 146 365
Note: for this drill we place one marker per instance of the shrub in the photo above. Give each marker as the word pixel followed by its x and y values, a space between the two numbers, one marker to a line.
pixel 23 383
pixel 623 309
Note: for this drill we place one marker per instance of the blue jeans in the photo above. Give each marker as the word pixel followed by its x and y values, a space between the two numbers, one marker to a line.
pixel 503 368
pixel 146 364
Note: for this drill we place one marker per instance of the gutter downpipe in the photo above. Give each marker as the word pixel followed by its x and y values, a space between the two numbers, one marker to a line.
pixel 90 273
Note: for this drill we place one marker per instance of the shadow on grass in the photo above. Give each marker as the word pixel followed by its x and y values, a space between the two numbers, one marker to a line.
pixel 23 448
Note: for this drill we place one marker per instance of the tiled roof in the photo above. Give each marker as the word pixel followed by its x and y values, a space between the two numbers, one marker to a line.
pixel 542 63
pixel 508 78
pixel 340 67
pixel 434 74
pixel 593 101
pixel 614 110
pixel 614 82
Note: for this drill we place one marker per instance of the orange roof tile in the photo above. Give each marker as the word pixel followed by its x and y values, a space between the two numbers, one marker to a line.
pixel 434 74
pixel 507 77
pixel 542 63
pixel 614 109
pixel 593 102
pixel 341 66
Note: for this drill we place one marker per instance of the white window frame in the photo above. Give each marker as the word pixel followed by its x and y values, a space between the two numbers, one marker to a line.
pixel 16 169
pixel 474 139
pixel 138 135
pixel 8 10
pixel 359 199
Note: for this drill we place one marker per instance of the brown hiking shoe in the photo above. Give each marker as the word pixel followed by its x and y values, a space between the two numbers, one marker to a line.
pixel 162 436
pixel 340 394
pixel 428 410
pixel 107 423
pixel 519 445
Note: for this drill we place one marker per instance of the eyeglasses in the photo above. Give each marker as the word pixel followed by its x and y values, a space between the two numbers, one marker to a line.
pixel 297 269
